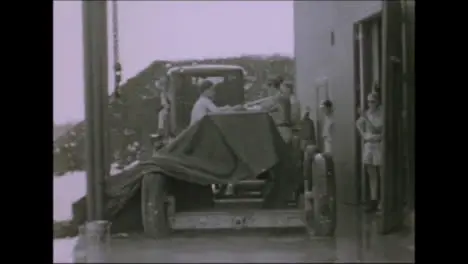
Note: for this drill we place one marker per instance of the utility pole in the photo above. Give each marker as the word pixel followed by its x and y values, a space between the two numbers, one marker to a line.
pixel 96 103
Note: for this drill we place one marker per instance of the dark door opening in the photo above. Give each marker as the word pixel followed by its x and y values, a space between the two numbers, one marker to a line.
pixel 379 68
pixel 368 65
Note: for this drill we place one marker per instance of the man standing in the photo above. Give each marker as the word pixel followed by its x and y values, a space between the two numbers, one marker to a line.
pixel 205 105
pixel 280 108
pixel 327 131
pixel 295 105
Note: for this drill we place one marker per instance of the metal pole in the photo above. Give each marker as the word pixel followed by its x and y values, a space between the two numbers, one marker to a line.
pixel 95 74
pixel 362 97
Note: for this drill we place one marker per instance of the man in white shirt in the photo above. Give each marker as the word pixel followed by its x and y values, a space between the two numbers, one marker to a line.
pixel 327 130
pixel 205 105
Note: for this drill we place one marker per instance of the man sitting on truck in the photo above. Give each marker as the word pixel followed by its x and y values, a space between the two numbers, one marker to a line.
pixel 205 105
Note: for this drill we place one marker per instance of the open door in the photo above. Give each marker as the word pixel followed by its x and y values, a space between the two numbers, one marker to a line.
pixel 393 176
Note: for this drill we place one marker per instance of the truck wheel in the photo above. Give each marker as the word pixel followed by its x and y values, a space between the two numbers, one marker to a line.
pixel 153 205
pixel 324 195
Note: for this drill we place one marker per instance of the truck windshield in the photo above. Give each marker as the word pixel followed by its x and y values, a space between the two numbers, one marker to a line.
pixel 215 78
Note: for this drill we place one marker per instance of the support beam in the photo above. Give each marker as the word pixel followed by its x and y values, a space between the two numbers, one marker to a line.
pixel 96 102
pixel 393 197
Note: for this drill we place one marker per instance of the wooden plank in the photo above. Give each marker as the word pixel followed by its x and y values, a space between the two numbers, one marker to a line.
pixel 237 219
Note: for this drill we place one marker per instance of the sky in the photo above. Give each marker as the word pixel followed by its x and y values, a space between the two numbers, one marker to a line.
pixel 152 30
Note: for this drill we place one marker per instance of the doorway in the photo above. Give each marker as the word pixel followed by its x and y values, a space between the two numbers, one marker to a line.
pixel 368 72
pixel 382 61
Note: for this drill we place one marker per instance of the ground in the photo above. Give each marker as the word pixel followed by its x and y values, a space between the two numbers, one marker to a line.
pixel 356 240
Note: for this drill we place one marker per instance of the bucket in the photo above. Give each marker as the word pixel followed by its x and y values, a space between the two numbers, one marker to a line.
pixel 93 244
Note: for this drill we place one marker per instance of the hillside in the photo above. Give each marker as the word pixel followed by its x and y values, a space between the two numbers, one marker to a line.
pixel 61 129
pixel 140 101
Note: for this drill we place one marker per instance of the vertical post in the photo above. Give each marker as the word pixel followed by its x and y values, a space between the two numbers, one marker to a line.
pixel 364 194
pixel 392 202
pixel 375 53
pixel 408 68
pixel 409 33
pixel 95 74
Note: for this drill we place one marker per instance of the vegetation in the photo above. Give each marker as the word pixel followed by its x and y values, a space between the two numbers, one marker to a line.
pixel 135 114
pixel 61 129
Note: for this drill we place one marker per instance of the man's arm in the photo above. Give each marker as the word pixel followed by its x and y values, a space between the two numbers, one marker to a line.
pixel 272 105
pixel 360 126
pixel 212 107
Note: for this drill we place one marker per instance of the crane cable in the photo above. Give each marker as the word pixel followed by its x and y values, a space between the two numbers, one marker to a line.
pixel 115 35
pixel 116 60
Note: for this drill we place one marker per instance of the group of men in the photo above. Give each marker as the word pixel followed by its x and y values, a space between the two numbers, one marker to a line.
pixel 281 104
pixel 285 110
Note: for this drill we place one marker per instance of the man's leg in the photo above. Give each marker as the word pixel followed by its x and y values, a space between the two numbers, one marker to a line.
pixel 374 186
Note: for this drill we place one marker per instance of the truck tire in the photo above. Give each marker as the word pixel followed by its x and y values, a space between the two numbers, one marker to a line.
pixel 308 158
pixel 153 206
pixel 324 195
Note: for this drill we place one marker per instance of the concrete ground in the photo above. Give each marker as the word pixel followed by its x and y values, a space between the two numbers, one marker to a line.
pixel 356 240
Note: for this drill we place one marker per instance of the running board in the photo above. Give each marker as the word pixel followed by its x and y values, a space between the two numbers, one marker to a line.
pixel 238 219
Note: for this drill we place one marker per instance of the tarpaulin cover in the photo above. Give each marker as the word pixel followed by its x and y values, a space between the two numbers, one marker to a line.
pixel 220 148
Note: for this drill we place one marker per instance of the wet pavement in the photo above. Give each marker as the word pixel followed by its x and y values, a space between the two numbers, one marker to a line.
pixel 356 240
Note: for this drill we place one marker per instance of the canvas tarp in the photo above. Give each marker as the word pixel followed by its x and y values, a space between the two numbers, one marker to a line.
pixel 220 148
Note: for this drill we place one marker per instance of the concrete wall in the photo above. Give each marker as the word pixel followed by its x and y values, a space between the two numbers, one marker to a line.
pixel 317 58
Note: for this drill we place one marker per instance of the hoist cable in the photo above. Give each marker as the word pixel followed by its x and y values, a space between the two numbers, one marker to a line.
pixel 115 34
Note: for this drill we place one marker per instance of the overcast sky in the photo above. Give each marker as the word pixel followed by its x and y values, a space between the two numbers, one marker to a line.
pixel 151 30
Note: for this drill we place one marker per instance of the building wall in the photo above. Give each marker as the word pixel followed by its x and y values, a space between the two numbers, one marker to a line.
pixel 316 58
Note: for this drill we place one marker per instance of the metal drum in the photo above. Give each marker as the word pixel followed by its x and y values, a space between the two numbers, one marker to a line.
pixel 93 245
pixel 324 195
pixel 319 192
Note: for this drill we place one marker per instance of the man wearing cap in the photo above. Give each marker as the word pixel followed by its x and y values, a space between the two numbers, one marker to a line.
pixel 370 127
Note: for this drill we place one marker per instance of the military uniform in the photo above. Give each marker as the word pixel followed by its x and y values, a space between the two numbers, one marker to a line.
pixel 282 117
pixel 372 122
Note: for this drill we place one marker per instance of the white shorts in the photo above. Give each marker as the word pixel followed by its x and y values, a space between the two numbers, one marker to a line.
pixel 327 146
pixel 372 154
